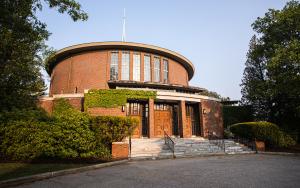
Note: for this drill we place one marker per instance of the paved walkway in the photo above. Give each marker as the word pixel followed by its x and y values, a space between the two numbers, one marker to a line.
pixel 223 171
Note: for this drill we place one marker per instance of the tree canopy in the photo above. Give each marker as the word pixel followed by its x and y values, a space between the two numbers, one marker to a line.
pixel 271 81
pixel 22 45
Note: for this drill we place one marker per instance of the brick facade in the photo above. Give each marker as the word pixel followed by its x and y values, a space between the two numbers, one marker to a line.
pixel 99 111
pixel 80 72
pixel 212 118
pixel 91 70
pixel 49 103
pixel 119 150
pixel 87 66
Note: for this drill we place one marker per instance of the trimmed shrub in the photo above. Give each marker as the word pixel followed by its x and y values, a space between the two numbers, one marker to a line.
pixel 27 140
pixel 110 129
pixel 263 131
pixel 66 135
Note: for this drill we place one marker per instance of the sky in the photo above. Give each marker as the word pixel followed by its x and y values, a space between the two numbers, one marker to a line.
pixel 213 34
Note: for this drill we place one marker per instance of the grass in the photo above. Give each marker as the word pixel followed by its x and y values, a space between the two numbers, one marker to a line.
pixel 15 170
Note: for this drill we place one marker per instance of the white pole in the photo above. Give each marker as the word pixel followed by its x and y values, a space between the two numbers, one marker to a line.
pixel 124 27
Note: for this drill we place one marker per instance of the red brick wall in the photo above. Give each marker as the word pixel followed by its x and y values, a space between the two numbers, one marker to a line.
pixel 177 74
pixel 90 70
pixel 212 119
pixel 99 111
pixel 47 105
pixel 120 150
pixel 84 71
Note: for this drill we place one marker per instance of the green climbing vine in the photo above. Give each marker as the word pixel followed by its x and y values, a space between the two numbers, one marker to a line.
pixel 114 97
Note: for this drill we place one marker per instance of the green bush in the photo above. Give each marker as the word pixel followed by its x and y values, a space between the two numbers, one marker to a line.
pixel 67 134
pixel 264 131
pixel 110 129
pixel 32 114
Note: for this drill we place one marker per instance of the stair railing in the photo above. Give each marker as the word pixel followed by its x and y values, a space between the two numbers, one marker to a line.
pixel 249 143
pixel 170 143
pixel 214 139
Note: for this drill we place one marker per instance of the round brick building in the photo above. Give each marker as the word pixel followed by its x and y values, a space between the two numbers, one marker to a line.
pixel 179 109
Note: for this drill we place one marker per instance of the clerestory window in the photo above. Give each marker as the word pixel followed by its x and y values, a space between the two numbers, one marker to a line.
pixel 114 59
pixel 125 66
pixel 136 67
pixel 156 69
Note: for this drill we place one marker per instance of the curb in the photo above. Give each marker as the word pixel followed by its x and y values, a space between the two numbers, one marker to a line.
pixel 188 156
pixel 278 153
pixel 47 175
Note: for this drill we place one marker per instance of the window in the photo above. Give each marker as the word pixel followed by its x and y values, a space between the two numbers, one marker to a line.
pixel 156 69
pixel 133 108
pixel 125 66
pixel 147 68
pixel 114 65
pixel 163 107
pixel 166 71
pixel 136 67
pixel 188 109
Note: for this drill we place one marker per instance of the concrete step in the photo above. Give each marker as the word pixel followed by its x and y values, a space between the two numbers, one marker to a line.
pixel 156 148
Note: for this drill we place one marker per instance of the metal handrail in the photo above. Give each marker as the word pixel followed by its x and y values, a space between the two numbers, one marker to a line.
pixel 214 139
pixel 219 142
pixel 170 143
pixel 249 143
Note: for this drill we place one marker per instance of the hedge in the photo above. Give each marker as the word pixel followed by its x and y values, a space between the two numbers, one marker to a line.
pixel 263 131
pixel 114 97
pixel 68 134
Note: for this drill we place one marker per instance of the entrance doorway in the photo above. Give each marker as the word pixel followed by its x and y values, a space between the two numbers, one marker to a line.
pixel 192 114
pixel 145 120
pixel 175 124
pixel 139 110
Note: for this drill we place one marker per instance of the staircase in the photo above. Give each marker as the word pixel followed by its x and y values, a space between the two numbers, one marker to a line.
pixel 156 148
pixel 150 148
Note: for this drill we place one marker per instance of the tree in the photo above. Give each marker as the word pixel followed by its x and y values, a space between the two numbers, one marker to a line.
pixel 22 44
pixel 271 81
pixel 254 90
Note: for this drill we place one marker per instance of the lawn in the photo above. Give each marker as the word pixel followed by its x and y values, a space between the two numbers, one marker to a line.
pixel 15 170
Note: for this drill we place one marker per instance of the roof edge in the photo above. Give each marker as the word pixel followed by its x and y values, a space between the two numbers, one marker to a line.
pixel 74 49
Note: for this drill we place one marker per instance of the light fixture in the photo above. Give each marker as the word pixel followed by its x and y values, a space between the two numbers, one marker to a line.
pixel 123 108
pixel 204 111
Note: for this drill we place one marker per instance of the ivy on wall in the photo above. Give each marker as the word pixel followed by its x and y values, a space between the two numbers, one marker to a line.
pixel 114 97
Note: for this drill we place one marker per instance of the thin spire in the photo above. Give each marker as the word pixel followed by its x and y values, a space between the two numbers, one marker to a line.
pixel 124 27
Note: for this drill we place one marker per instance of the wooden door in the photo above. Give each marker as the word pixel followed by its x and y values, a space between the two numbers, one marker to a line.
pixel 137 131
pixel 162 122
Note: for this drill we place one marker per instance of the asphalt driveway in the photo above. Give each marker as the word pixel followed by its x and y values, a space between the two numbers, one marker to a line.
pixel 222 171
